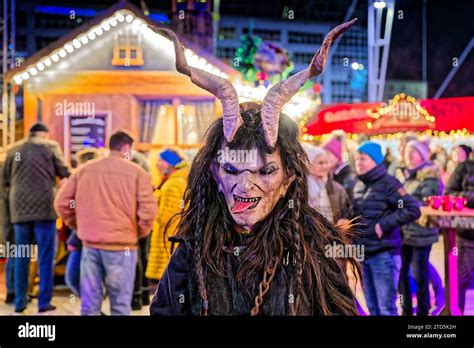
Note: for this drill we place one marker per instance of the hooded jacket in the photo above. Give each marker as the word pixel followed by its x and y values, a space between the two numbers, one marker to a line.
pixel 380 198
pixel 421 183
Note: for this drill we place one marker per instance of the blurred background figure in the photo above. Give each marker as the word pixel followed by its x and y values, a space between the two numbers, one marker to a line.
pixel 388 158
pixel 325 195
pixel 397 166
pixel 461 183
pixel 459 154
pixel 29 177
pixel 422 179
pixel 141 289
pixel 74 244
pixel 173 168
pixel 113 208
pixel 7 235
pixel 377 196
pixel 340 170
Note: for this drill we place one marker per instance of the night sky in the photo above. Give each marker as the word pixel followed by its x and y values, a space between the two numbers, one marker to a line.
pixel 449 29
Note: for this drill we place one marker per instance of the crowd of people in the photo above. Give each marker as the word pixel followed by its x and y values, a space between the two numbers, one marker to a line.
pixel 108 207
pixel 382 200
pixel 118 224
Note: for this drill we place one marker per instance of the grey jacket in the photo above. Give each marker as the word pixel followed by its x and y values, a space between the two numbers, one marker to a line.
pixel 420 184
pixel 29 178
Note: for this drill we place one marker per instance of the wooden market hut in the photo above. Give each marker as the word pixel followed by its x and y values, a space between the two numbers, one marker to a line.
pixel 114 72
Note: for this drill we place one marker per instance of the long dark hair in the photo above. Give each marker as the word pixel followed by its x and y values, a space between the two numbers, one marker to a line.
pixel 292 227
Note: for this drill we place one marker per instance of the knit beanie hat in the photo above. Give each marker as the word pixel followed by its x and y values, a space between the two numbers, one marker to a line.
pixel 373 150
pixel 39 127
pixel 422 148
pixel 170 157
pixel 334 146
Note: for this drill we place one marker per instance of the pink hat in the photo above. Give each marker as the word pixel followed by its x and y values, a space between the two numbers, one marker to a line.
pixel 335 147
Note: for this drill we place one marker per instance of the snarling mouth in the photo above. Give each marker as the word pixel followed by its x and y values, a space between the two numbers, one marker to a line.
pixel 245 203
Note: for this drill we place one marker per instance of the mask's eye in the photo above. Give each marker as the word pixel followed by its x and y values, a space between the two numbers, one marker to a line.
pixel 230 169
pixel 267 171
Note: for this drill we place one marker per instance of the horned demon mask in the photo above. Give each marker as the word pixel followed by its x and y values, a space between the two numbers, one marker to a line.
pixel 253 188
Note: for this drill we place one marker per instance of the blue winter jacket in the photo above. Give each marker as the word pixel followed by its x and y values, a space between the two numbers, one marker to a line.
pixel 380 198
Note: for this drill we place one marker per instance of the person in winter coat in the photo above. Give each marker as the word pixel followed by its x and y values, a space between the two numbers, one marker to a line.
pixel 113 207
pixel 74 244
pixel 422 180
pixel 6 236
pixel 141 288
pixel 383 206
pixel 29 175
pixel 326 195
pixel 249 243
pixel 174 170
pixel 461 183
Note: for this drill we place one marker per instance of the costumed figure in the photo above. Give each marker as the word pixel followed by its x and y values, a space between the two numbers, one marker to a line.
pixel 249 243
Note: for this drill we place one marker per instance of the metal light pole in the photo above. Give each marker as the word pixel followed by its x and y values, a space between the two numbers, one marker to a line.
pixel 327 93
pixel 379 46
pixel 12 107
pixel 5 68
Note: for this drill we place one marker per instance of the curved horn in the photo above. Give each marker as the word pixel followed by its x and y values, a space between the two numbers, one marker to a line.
pixel 221 88
pixel 283 91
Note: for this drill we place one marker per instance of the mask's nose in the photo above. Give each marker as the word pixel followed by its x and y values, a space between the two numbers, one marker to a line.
pixel 246 182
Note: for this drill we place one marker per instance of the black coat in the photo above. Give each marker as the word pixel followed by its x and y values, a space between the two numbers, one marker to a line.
pixel 380 198
pixel 178 293
pixel 461 183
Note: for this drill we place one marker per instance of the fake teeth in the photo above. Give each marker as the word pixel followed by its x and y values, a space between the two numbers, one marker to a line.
pixel 246 200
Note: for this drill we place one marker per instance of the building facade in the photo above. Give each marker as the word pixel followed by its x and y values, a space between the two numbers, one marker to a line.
pixel 347 74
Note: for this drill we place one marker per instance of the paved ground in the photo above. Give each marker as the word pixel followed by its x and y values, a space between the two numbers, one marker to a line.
pixel 68 304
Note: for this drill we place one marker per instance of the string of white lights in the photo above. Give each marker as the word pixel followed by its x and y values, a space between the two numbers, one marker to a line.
pixel 121 16
pixel 295 108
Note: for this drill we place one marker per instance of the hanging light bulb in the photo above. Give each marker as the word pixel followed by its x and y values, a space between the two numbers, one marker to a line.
pixel 120 17
pixel 76 43
pixel 106 26
pixel 91 35
pixel 84 39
